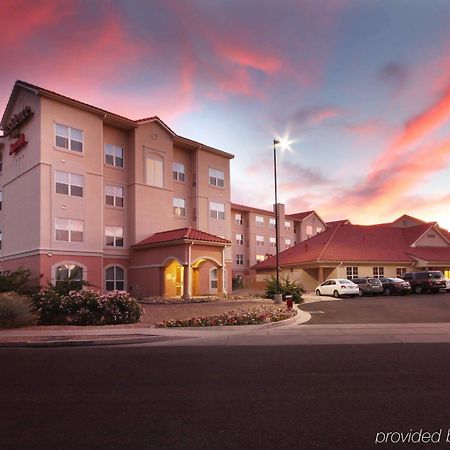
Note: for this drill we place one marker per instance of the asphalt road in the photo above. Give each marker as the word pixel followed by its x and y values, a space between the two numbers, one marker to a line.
pixel 427 308
pixel 288 397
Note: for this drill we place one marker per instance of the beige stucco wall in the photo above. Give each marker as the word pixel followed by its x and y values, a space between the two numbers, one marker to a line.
pixel 431 239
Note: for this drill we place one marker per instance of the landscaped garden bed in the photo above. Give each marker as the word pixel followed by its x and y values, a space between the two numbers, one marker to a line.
pixel 252 316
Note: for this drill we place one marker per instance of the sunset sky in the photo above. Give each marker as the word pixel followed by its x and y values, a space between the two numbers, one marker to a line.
pixel 362 87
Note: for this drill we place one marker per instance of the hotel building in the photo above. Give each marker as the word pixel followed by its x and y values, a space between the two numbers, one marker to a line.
pixel 122 204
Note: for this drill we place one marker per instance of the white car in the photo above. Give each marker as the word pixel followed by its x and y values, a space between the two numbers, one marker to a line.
pixel 337 287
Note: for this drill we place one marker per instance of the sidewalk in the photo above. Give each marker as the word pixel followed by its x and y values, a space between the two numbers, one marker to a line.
pixel 88 336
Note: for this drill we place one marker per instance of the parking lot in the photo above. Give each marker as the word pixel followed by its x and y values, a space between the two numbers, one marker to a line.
pixel 428 308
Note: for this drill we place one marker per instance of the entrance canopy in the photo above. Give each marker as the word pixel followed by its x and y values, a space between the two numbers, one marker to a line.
pixel 180 257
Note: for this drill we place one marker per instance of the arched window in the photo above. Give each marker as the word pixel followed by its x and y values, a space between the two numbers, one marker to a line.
pixel 115 278
pixel 69 272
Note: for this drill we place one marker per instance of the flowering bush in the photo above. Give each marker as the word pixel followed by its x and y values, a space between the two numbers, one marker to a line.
pixel 253 316
pixel 86 307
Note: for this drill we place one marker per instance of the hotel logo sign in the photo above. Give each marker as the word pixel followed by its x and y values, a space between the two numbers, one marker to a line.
pixel 12 129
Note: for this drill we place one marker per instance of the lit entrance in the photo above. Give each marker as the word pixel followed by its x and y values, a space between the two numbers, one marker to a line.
pixel 173 279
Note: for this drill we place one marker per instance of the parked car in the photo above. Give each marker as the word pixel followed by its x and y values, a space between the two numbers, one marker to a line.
pixel 395 286
pixel 337 288
pixel 368 285
pixel 423 281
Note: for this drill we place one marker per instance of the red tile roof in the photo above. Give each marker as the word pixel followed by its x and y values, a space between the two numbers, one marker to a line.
pixel 300 216
pixel 182 234
pixel 354 243
pixel 251 209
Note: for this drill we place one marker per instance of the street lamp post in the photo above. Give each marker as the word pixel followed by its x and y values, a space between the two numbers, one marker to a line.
pixel 277 296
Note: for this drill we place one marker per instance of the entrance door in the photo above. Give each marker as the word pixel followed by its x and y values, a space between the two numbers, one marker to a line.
pixel 179 280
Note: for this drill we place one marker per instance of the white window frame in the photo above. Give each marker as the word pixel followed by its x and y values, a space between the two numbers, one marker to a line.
pixel 319 230
pixel 117 193
pixel 239 239
pixel 178 172
pixel 352 272
pixel 259 221
pixel 179 207
pixel 272 223
pixel 67 263
pixel 70 183
pixel 70 131
pixel 217 210
pixel 117 153
pixel 272 241
pixel 115 280
pixel 216 177
pixel 309 230
pixel 70 226
pixel 239 259
pixel 117 234
pixel 378 271
pixel 287 226
pixel 287 243
pixel 259 240
pixel 213 278
pixel 238 219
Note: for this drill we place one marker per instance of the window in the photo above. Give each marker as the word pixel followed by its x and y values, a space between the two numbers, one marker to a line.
pixel 240 260
pixel 259 221
pixel 179 207
pixel 216 177
pixel 287 226
pixel 272 223
pixel 114 195
pixel 352 272
pixel 1 162
pixel 217 210
pixel 114 236
pixel 69 138
pixel 319 230
pixel 1 238
pixel 400 271
pixel 272 242
pixel 178 172
pixel 259 240
pixel 155 169
pixel 309 230
pixel 1 199
pixel 431 235
pixel 115 278
pixel 213 278
pixel 69 230
pixel 238 219
pixel 239 239
pixel 260 258
pixel 69 272
pixel 288 243
pixel 113 155
pixel 69 183
pixel 378 272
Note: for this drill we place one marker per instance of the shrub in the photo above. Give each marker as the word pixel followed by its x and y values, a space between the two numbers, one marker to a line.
pixel 16 311
pixel 86 307
pixel 17 281
pixel 287 287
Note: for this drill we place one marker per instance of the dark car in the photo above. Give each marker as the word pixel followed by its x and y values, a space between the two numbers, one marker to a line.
pixel 395 286
pixel 368 285
pixel 429 280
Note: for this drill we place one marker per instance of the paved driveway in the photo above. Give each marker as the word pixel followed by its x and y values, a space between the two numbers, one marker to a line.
pixel 432 308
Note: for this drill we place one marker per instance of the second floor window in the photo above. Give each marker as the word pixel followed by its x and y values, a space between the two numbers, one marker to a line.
pixel 113 155
pixel 179 207
pixel 69 230
pixel 288 243
pixel 69 138
pixel 217 210
pixel 259 240
pixel 287 226
pixel 259 220
pixel 114 236
pixel 178 172
pixel 239 239
pixel 216 177
pixel 272 242
pixel 240 260
pixel 309 231
pixel 238 219
pixel 272 223
pixel 114 195
pixel 69 183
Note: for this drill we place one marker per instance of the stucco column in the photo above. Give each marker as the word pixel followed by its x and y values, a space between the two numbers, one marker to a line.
pixel 162 281
pixel 320 275
pixel 186 282
pixel 220 271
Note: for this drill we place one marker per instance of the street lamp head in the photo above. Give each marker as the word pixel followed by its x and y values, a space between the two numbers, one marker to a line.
pixel 276 142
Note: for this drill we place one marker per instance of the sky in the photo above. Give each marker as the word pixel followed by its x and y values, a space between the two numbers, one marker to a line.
pixel 360 87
